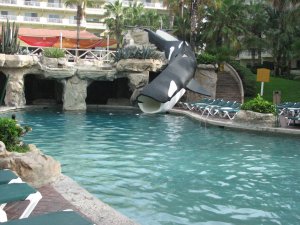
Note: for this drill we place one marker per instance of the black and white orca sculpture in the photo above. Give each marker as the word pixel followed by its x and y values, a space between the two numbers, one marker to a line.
pixel 170 85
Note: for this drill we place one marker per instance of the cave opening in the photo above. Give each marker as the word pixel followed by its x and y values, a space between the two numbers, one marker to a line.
pixel 106 92
pixel 3 83
pixel 42 91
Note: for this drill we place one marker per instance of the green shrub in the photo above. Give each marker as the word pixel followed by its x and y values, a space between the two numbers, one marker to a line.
pixel 54 53
pixel 134 52
pixel 260 105
pixel 206 58
pixel 10 134
pixel 248 78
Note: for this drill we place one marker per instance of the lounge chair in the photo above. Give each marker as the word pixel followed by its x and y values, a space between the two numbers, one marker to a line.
pixel 293 118
pixel 9 177
pixel 18 192
pixel 56 218
pixel 230 112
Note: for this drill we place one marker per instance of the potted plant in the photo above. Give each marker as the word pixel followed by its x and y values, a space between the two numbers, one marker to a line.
pixel 54 57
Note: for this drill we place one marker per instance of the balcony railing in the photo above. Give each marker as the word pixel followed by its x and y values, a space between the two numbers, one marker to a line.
pixel 77 55
pixel 9 17
pixel 32 3
pixel 72 21
pixel 54 5
pixel 31 19
pixel 54 20
pixel 10 2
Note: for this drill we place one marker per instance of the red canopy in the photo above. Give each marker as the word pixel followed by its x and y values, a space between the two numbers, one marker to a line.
pixel 39 41
pixel 68 38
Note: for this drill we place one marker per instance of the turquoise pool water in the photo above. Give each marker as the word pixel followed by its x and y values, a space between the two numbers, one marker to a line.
pixel 167 169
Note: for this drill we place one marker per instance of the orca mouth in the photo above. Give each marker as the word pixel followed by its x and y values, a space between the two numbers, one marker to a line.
pixel 148 105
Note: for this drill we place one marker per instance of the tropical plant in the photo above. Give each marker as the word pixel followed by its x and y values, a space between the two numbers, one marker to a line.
pixel 259 105
pixel 53 53
pixel 115 13
pixel 224 24
pixel 206 58
pixel 9 38
pixel 134 52
pixel 10 134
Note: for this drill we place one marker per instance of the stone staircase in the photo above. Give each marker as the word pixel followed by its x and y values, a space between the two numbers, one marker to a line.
pixel 227 87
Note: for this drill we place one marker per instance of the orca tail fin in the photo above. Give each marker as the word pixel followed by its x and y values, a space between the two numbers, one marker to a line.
pixel 195 87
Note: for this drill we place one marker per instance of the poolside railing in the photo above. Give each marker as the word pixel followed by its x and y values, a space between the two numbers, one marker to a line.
pixel 74 55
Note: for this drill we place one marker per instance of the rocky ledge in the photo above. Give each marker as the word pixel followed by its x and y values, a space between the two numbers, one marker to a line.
pixel 33 167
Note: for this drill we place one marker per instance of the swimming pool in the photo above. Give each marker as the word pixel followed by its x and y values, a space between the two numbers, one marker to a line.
pixel 167 169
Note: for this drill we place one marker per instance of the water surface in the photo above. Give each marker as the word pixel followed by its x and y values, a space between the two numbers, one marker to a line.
pixel 167 169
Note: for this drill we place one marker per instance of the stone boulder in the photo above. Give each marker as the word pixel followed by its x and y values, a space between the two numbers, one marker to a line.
pixel 54 62
pixel 140 65
pixel 2 60
pixel 250 118
pixel 75 93
pixel 19 61
pixel 33 167
pixel 2 147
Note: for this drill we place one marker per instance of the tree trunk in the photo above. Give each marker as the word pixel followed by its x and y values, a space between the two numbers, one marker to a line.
pixel 193 11
pixel 253 57
pixel 79 17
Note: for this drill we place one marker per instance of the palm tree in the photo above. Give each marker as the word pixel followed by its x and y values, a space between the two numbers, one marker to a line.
pixel 115 13
pixel 134 14
pixel 173 7
pixel 224 25
pixel 254 40
pixel 283 17
pixel 81 6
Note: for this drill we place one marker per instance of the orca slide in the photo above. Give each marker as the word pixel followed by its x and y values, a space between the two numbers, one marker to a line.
pixel 169 86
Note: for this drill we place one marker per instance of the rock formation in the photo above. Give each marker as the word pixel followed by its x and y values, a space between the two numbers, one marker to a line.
pixel 251 118
pixel 33 167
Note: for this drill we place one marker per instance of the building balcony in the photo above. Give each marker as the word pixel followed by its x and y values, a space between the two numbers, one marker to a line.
pixel 31 19
pixel 54 20
pixel 55 5
pixel 8 17
pixel 147 5
pixel 8 2
pixel 32 3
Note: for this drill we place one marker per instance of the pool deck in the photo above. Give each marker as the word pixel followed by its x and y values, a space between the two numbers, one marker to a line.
pixel 283 129
pixel 64 194
pixel 67 194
